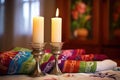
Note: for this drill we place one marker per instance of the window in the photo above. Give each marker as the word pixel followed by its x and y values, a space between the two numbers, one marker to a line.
pixel 24 12
pixel 16 22
pixel 2 16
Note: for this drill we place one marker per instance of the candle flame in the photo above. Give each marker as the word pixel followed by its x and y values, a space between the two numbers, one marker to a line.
pixel 57 12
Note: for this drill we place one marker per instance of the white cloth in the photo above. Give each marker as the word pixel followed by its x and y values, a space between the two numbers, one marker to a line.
pixel 106 65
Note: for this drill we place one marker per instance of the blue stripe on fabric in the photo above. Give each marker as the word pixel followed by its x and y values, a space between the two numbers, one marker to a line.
pixel 17 62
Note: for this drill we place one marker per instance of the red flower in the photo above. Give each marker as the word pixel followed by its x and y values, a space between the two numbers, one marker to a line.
pixel 75 14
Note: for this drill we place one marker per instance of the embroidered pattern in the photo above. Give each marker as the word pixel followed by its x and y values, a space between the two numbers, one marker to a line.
pixel 71 66
pixel 103 75
pixel 89 66
pixel 17 61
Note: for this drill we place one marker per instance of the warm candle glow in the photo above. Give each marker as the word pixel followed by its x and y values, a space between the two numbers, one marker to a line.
pixel 56 28
pixel 57 12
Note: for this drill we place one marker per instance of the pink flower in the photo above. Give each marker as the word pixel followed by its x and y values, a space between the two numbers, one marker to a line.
pixel 75 14
pixel 81 7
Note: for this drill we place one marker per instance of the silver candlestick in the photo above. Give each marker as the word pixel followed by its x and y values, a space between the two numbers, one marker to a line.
pixel 56 51
pixel 38 51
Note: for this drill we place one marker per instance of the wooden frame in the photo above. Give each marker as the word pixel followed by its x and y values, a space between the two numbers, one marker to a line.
pixel 64 6
pixel 106 23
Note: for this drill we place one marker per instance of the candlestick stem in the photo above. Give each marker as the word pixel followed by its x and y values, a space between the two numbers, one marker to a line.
pixel 38 51
pixel 56 51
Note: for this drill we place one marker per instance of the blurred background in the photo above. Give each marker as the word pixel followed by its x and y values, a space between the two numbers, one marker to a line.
pixel 16 24
pixel 16 21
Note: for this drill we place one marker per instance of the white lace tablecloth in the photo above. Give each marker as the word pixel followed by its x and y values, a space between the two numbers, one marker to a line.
pixel 104 75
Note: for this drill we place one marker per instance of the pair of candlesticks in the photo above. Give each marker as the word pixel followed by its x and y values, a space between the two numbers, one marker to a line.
pixel 38 52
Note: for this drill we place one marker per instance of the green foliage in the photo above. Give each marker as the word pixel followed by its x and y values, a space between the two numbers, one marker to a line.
pixel 83 20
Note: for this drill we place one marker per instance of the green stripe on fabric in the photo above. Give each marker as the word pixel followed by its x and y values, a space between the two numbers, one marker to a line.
pixel 82 66
pixel 46 57
pixel 87 66
pixel 21 49
pixel 93 69
pixel 90 66
pixel 28 66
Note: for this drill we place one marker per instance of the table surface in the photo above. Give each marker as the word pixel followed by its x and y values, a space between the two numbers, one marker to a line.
pixel 104 75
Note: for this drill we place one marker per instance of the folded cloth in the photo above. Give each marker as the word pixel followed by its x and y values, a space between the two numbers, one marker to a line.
pixel 106 65
pixel 20 60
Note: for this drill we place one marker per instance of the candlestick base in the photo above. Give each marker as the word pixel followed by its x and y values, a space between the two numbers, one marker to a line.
pixel 56 51
pixel 38 51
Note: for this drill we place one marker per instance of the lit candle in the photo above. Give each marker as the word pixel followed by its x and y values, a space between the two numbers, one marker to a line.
pixel 56 28
pixel 38 29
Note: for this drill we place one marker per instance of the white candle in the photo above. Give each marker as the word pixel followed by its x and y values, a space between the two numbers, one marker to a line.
pixel 38 29
pixel 56 28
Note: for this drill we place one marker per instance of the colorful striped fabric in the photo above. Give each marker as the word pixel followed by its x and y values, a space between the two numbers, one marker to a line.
pixel 21 61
